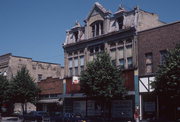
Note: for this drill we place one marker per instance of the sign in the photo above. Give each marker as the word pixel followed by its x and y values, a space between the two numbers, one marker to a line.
pixel 145 84
pixel 75 80
pixel 122 109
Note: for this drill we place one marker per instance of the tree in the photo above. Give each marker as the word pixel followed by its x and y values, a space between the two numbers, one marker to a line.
pixel 168 74
pixel 101 79
pixel 167 85
pixel 4 85
pixel 23 88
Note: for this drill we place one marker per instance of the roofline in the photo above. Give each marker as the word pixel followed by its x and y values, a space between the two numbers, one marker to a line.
pixel 46 62
pixel 10 54
pixel 99 37
pixel 21 57
pixel 6 54
pixel 161 26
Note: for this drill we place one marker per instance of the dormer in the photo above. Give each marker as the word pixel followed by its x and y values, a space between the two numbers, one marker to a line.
pixel 95 21
pixel 75 34
pixel 119 17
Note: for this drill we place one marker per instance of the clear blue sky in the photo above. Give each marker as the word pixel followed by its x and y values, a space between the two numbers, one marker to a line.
pixel 36 28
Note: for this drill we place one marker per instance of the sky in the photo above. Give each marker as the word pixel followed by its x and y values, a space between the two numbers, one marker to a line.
pixel 37 28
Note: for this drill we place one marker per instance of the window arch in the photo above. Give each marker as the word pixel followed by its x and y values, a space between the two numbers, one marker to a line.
pixel 97 28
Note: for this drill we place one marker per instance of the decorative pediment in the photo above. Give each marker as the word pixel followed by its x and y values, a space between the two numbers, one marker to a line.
pixel 98 9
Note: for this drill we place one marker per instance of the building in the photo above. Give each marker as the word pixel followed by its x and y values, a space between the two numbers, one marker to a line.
pixel 51 90
pixel 115 33
pixel 152 47
pixel 10 64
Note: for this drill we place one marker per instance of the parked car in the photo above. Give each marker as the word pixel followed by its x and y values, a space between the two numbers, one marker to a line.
pixel 74 117
pixel 56 116
pixel 35 116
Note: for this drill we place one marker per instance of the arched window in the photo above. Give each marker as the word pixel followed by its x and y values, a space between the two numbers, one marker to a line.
pixel 97 28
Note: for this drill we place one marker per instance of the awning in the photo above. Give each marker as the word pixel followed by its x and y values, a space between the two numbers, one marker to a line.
pixel 57 101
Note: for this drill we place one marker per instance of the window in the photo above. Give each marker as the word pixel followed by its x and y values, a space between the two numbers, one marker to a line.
pixel 97 28
pixel 39 77
pixel 76 65
pixel 96 49
pixel 163 55
pixel 101 48
pixel 81 68
pixel 148 63
pixel 113 53
pixel 70 71
pixel 129 50
pixel 121 52
pixel 76 71
pixel 82 61
pixel 76 62
pixel 113 44
pixel 121 63
pixel 53 95
pixel 69 54
pixel 130 63
pixel 113 62
pixel 70 62
pixel 76 36
pixel 120 22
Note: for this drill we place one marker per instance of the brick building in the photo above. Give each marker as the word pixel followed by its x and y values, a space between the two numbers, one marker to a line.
pixel 115 33
pixel 51 90
pixel 152 46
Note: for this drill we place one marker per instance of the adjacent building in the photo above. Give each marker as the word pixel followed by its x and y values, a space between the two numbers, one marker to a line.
pixel 10 64
pixel 49 97
pixel 153 45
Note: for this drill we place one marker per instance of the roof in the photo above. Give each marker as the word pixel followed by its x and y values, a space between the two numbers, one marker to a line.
pixel 161 26
pixel 100 7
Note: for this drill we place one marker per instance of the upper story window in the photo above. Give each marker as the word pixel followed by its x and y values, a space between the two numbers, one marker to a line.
pixel 121 63
pixel 148 62
pixel 163 54
pixel 97 28
pixel 76 61
pixel 76 36
pixel 120 22
pixel 70 63
pixel 39 77
pixel 130 62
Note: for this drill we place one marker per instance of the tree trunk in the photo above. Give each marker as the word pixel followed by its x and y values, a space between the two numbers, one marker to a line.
pixel 25 107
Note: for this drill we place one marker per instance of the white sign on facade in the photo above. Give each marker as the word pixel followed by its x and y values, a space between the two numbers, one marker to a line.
pixel 145 84
pixel 75 80
pixel 122 108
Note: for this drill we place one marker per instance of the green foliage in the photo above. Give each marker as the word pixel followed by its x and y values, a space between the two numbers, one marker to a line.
pixel 101 79
pixel 168 74
pixel 23 89
pixel 4 86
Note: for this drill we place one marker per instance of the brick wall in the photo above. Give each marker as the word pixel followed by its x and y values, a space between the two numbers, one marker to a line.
pixel 155 40
pixel 51 86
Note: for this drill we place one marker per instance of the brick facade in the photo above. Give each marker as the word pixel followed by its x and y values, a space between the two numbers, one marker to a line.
pixel 51 86
pixel 155 40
